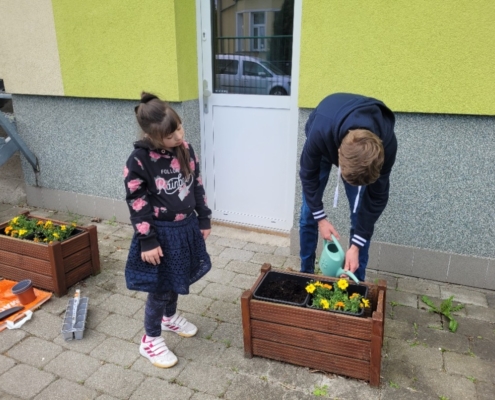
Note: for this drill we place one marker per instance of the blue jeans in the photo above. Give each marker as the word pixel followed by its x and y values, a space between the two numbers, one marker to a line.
pixel 308 227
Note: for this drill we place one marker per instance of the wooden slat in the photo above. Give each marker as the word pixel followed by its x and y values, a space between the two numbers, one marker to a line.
pixel 246 323
pixel 40 281
pixel 76 259
pixel 25 262
pixel 95 254
pixel 377 341
pixel 75 244
pixel 20 246
pixel 78 274
pixel 312 358
pixel 310 339
pixel 323 321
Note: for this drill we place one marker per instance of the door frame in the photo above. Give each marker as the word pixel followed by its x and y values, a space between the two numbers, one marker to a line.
pixel 204 36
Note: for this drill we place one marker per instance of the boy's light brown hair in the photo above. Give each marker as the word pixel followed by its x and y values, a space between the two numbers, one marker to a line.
pixel 361 157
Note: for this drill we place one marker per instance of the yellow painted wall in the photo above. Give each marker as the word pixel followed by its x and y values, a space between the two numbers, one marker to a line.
pixel 29 62
pixel 417 56
pixel 117 48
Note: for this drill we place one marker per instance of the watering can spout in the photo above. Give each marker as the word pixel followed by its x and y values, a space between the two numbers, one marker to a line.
pixel 332 260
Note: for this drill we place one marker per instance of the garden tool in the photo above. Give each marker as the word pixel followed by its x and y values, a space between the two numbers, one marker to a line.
pixel 332 260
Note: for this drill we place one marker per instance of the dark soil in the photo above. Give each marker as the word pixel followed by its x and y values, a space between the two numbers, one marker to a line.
pixel 284 290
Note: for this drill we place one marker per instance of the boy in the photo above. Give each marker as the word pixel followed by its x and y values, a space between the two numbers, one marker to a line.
pixel 355 133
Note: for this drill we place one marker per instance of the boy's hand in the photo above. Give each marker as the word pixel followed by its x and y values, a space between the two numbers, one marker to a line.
pixel 327 230
pixel 152 256
pixel 352 259
pixel 206 233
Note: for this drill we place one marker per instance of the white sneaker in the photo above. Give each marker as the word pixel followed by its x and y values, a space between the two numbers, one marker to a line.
pixel 179 325
pixel 157 352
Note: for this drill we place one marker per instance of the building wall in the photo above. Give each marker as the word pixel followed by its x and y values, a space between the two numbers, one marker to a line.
pixel 111 49
pixel 418 56
pixel 82 146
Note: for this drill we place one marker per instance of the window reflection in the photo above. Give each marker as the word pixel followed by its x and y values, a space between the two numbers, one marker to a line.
pixel 252 44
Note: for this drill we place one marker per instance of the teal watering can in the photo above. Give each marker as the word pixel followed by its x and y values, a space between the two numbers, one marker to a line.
pixel 332 260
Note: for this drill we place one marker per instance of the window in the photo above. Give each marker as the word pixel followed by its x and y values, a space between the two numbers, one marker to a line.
pixel 227 67
pixel 258 29
pixel 250 68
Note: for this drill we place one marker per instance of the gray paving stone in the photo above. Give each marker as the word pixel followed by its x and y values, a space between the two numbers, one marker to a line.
pixel 117 285
pixel 214 249
pixel 275 261
pixel 448 386
pixel 466 365
pixel 436 339
pixel 90 340
pixel 418 286
pixel 199 350
pixel 218 291
pixel 255 386
pixel 243 268
pixel 261 248
pixel 220 276
pixel 206 326
pixel 399 329
pixel 105 397
pixel 5 364
pixel 392 393
pixel 154 388
pixel 218 262
pixel 233 359
pixel 43 325
pixel 56 305
pixel 402 298
pixel 474 328
pixel 95 294
pixel 203 396
pixel 416 356
pixel 231 242
pixel 34 351
pixel 198 286
pixel 484 391
pixel 212 238
pixel 143 366
pixel 120 304
pixel 229 335
pixel 236 254
pixel 63 389
pixel 414 316
pixel 211 380
pixel 6 396
pixel 119 254
pixel 481 313
pixel 490 298
pixel 342 388
pixel 292 262
pixel 95 316
pixel 11 338
pixel 223 311
pixel 116 351
pixel 194 303
pixel 243 282
pixel 463 295
pixel 115 381
pixel 484 349
pixel 14 381
pixel 282 251
pixel 292 375
pixel 73 366
pixel 119 326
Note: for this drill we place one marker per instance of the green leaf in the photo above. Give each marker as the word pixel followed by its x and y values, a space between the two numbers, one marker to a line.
pixel 428 302
pixel 446 305
pixel 458 307
pixel 453 325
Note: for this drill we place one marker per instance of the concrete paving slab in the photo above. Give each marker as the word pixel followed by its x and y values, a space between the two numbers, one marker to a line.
pixel 5 364
pixel 119 326
pixel 218 291
pixel 10 338
pixel 464 295
pixel 220 276
pixel 115 381
pixel 418 286
pixel 120 304
pixel 73 366
pixel 469 366
pixel 236 254
pixel 396 297
pixel 14 381
pixel 199 350
pixel 155 388
pixel 263 248
pixel 44 325
pixel 257 387
pixel 63 389
pixel 116 351
pixel 229 335
pixel 275 261
pixel 34 351
pixel 211 380
pixel 244 267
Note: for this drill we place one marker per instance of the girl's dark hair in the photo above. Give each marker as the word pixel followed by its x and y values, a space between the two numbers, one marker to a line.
pixel 158 121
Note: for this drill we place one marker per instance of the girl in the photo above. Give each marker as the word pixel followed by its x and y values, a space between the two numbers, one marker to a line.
pixel 168 251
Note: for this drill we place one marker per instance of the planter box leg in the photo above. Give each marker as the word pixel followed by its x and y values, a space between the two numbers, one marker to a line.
pixel 246 323
pixel 95 255
pixel 57 265
pixel 376 342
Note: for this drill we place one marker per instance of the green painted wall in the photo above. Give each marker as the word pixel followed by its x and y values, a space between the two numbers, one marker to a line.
pixel 417 56
pixel 117 48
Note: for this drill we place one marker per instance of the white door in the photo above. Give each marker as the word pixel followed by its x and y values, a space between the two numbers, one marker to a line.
pixel 249 136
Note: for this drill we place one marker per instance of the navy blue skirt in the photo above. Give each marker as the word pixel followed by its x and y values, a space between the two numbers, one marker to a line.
pixel 184 260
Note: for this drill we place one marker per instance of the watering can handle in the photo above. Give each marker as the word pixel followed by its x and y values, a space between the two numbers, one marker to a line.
pixel 335 241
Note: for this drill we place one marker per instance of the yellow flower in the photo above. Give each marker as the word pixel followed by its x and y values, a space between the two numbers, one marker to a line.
pixel 55 235
pixel 365 303
pixel 14 232
pixel 14 220
pixel 354 295
pixel 324 303
pixel 74 224
pixel 342 284
pixel 310 288
pixel 63 227
pixel 48 224
pixel 22 232
pixel 40 222
pixel 8 229
pixel 339 304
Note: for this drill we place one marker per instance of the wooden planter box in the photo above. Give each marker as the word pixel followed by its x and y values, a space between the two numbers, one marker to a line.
pixel 54 267
pixel 321 340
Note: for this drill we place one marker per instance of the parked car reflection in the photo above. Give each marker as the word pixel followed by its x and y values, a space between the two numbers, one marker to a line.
pixel 249 75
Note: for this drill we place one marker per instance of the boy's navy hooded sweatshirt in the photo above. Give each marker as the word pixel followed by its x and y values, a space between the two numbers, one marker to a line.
pixel 326 127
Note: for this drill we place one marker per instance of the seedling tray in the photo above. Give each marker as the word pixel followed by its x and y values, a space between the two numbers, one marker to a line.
pixel 75 319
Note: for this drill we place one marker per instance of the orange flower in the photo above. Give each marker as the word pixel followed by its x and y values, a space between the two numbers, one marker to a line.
pixel 339 304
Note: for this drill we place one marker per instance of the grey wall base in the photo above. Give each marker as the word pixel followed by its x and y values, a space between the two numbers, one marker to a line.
pixel 77 203
pixel 422 263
